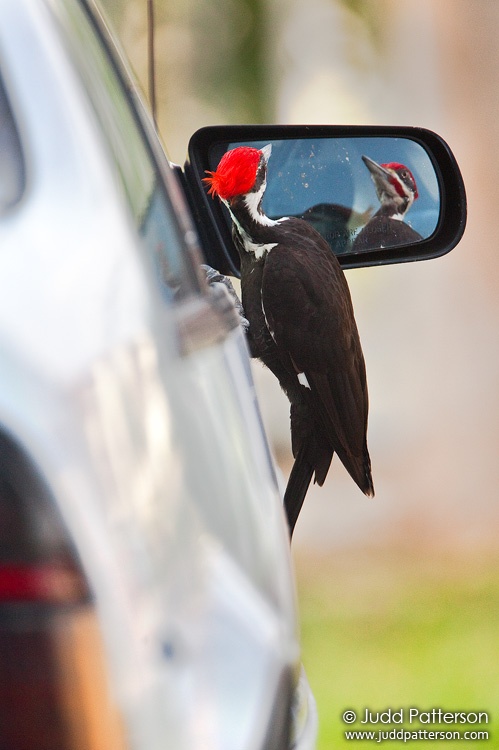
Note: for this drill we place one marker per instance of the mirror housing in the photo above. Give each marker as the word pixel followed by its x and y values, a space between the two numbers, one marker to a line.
pixel 319 160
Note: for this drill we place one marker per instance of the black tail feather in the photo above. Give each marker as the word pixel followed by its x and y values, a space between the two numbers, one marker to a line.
pixel 296 488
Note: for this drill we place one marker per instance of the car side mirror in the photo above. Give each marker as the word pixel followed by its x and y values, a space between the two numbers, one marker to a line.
pixel 377 195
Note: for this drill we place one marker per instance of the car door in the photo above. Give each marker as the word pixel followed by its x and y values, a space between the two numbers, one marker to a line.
pixel 129 391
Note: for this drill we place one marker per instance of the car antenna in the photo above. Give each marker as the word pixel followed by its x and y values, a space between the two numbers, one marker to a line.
pixel 151 59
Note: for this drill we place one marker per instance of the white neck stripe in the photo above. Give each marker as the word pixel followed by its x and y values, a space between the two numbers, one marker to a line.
pixel 252 201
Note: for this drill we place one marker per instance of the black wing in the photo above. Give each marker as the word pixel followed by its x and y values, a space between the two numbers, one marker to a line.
pixel 308 309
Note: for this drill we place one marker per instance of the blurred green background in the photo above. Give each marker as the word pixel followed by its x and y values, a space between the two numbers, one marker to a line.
pixel 399 596
pixel 396 629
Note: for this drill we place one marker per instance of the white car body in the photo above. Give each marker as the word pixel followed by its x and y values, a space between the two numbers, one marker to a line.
pixel 130 396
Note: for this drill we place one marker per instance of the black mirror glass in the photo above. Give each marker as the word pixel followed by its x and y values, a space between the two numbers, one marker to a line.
pixel 377 195
pixel 361 194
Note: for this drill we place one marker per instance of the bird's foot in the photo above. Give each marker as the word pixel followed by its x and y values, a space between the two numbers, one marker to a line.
pixel 214 277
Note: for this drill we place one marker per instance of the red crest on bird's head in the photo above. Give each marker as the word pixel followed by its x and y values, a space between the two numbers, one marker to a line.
pixel 405 175
pixel 235 174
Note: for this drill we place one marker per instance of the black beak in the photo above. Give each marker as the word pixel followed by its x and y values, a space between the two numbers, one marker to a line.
pixel 378 173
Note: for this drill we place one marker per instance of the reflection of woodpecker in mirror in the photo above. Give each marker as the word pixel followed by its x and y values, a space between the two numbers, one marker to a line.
pixel 301 325
pixel 396 189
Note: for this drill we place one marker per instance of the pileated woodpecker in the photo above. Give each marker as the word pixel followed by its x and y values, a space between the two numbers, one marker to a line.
pixel 397 191
pixel 301 325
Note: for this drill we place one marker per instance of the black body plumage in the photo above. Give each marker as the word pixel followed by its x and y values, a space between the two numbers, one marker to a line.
pixel 384 231
pixel 301 320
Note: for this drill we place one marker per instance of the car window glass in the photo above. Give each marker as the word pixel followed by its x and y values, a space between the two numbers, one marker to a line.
pixel 138 174
pixel 11 159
